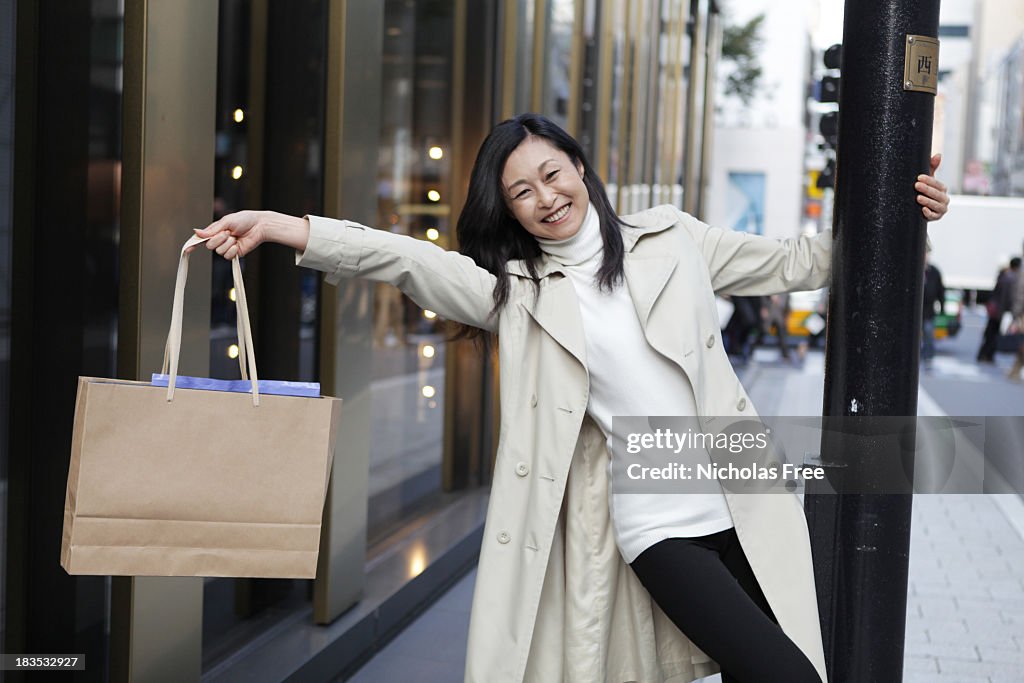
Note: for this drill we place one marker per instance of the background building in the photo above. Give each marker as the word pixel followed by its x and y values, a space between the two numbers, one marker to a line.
pixel 125 123
pixel 757 172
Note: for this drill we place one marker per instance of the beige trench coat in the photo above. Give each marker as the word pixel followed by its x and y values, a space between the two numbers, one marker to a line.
pixel 554 600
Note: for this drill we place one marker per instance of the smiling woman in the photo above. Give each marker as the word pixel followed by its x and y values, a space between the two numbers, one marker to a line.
pixel 599 316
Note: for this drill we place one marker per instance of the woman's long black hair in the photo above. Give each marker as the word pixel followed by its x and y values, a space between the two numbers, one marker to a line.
pixel 489 233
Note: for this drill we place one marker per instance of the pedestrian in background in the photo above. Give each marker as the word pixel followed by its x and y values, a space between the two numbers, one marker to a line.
pixel 777 315
pixel 999 303
pixel 1017 309
pixel 599 315
pixel 744 325
pixel 934 293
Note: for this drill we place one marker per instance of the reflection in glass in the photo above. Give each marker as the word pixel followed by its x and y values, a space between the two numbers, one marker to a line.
pixel 524 54
pixel 617 32
pixel 231 183
pixel 587 132
pixel 560 21
pixel 413 186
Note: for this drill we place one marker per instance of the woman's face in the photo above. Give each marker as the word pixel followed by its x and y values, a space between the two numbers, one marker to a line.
pixel 545 190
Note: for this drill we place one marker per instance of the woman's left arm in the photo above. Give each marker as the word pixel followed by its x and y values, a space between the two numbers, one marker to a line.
pixel 746 264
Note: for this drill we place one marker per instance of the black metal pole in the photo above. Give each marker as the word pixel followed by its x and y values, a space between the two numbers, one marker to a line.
pixel 861 540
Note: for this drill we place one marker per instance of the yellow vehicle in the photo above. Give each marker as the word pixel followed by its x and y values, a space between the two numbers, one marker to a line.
pixel 806 317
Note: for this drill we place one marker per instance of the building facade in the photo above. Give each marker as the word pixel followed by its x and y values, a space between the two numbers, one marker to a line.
pixel 125 123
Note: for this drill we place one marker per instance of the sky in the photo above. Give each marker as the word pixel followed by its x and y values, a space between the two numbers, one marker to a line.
pixel 827 26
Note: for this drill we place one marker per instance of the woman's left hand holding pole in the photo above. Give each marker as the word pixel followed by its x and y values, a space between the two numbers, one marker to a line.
pixel 932 192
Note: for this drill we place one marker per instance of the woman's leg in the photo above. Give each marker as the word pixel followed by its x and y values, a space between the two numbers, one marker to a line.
pixel 987 352
pixel 706 587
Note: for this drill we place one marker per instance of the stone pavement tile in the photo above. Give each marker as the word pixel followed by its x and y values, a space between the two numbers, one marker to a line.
pixel 1011 588
pixel 438 635
pixel 984 628
pixel 963 590
pixel 936 586
pixel 995 670
pixel 946 631
pixel 925 665
pixel 988 556
pixel 1002 570
pixel 992 654
pixel 917 677
pixel 937 607
pixel 916 628
pixel 431 649
pixel 1003 604
pixel 915 636
pixel 968 607
pixel 958 571
pixel 460 596
pixel 1013 619
pixel 926 564
pixel 935 650
pixel 407 670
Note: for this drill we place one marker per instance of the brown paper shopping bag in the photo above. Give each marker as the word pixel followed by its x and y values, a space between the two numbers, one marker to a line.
pixel 191 482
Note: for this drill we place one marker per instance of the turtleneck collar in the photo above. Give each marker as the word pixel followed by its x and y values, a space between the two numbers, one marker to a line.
pixel 581 247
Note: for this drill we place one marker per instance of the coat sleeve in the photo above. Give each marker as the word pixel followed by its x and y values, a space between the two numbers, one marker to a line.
pixel 446 282
pixel 751 265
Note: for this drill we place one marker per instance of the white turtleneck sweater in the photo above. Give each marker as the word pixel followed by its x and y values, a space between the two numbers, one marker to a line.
pixel 629 378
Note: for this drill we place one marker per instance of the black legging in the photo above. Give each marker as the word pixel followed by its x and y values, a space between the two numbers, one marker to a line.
pixel 706 587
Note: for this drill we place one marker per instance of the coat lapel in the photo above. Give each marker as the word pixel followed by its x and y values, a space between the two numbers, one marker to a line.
pixel 558 312
pixel 647 278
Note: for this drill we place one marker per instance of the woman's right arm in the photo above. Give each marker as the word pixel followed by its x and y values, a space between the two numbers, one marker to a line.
pixel 446 282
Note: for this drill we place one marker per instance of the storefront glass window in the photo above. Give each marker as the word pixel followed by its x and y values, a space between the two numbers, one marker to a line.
pixel 233 175
pixel 619 95
pixel 560 21
pixel 414 190
pixel 6 162
pixel 587 132
pixel 524 54
pixel 270 95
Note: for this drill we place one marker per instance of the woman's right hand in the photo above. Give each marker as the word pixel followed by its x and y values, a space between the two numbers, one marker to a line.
pixel 237 234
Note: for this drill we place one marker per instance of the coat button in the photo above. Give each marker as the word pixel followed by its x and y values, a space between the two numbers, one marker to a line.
pixel 503 537
pixel 741 404
pixel 533 401
pixel 522 469
pixel 711 341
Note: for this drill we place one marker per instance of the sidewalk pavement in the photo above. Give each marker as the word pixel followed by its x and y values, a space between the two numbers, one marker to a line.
pixel 965 602
pixel 965 606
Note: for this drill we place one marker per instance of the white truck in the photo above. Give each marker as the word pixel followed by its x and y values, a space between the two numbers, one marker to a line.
pixel 976 239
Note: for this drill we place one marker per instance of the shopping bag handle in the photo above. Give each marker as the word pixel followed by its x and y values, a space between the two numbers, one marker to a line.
pixel 241 315
pixel 172 350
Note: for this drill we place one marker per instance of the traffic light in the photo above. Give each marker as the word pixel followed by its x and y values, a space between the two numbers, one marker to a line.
pixel 828 88
pixel 829 91
pixel 834 56
pixel 828 126
pixel 827 177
